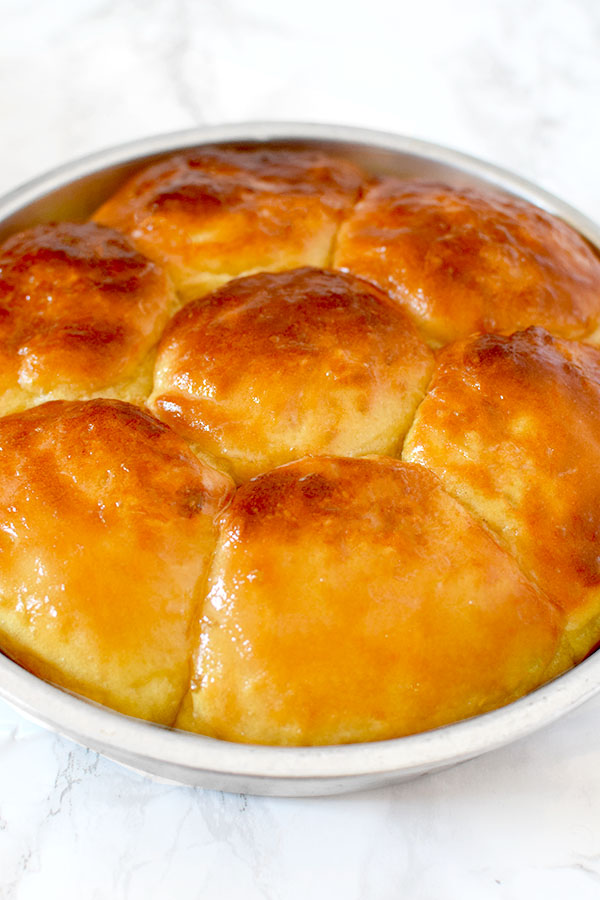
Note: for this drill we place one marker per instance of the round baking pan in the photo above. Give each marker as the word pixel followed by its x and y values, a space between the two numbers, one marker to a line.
pixel 72 192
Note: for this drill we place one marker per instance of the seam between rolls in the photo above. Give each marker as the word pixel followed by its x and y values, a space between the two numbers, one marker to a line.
pixel 335 239
pixel 400 448
pixel 201 595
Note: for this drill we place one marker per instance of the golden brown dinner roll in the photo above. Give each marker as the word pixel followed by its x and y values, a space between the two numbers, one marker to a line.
pixel 354 599
pixel 213 213
pixel 511 424
pixel 80 308
pixel 466 260
pixel 275 366
pixel 106 526
pixel 339 595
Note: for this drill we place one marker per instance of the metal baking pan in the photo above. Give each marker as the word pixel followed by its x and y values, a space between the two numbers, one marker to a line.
pixel 72 192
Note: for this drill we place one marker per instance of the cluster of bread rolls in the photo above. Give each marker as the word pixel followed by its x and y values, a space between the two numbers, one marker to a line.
pixel 291 454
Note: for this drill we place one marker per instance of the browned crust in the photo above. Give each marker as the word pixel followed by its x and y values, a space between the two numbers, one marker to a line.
pixel 106 529
pixel 218 212
pixel 511 424
pixel 467 260
pixel 275 366
pixel 355 600
pixel 79 307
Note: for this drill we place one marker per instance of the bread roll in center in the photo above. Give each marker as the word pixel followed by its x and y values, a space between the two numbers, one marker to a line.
pixel 275 366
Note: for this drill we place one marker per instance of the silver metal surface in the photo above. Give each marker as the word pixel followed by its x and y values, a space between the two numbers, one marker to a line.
pixel 73 192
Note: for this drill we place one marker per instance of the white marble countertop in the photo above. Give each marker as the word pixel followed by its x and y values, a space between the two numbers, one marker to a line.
pixel 516 82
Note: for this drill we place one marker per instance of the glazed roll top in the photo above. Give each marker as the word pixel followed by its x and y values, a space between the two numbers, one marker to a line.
pixel 106 529
pixel 275 366
pixel 276 321
pixel 214 213
pixel 466 260
pixel 511 425
pixel 80 309
pixel 355 600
